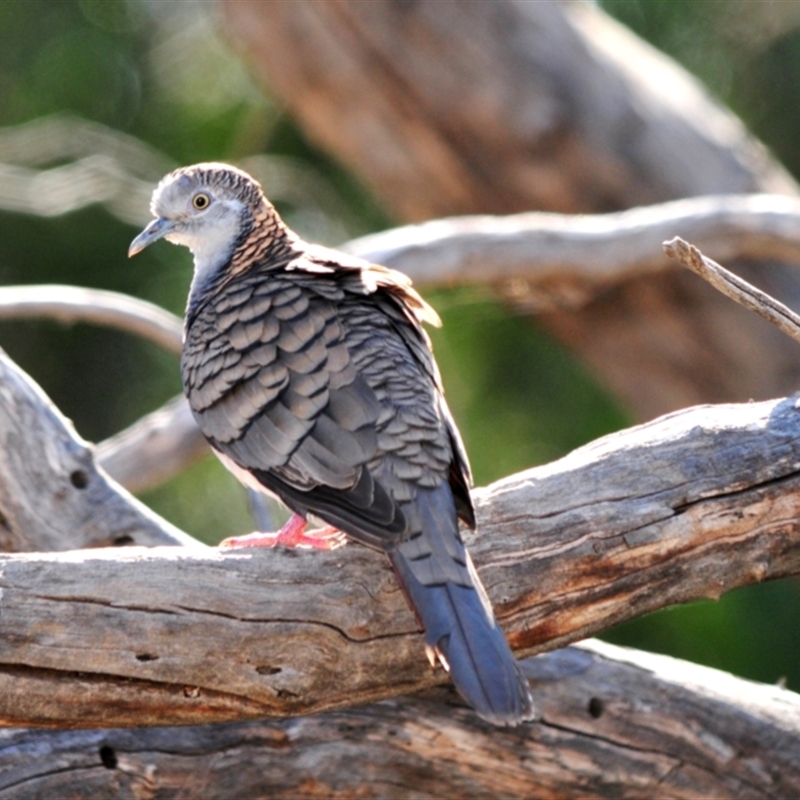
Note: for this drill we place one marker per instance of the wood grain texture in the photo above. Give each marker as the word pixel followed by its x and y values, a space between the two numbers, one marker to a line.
pixel 449 108
pixel 612 723
pixel 689 506
pixel 52 494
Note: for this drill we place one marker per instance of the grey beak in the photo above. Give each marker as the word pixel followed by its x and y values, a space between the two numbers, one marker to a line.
pixel 156 230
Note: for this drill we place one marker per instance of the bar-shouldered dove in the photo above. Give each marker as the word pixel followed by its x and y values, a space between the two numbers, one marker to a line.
pixel 311 376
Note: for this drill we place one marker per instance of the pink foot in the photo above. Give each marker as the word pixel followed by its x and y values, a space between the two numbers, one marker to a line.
pixel 292 534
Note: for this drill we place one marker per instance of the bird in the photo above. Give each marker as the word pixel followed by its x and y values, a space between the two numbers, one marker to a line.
pixel 312 377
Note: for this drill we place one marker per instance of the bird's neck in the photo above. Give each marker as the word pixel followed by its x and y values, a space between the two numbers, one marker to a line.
pixel 265 245
pixel 259 245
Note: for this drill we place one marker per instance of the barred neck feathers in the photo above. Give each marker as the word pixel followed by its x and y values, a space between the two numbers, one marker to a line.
pixel 263 238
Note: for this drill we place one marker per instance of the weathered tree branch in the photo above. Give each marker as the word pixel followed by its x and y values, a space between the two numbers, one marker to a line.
pixel 625 525
pixel 612 723
pixel 155 448
pixel 69 304
pixel 731 285
pixel 52 495
pixel 563 260
pixel 553 261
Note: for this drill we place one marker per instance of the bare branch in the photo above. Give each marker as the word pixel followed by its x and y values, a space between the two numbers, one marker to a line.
pixel 733 286
pixel 71 304
pixel 560 260
pixel 52 496
pixel 610 718
pixel 688 506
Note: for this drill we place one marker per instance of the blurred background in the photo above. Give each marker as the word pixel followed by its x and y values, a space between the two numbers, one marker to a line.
pixel 99 99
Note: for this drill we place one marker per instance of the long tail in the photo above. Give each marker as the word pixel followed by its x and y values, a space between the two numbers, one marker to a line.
pixel 443 587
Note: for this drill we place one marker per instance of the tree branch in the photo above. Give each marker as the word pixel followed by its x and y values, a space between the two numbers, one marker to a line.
pixel 155 448
pixel 613 723
pixel 69 304
pixel 552 261
pixel 628 524
pixel 52 495
pixel 731 285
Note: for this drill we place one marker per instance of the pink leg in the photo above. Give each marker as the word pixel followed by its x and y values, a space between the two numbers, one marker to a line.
pixel 292 534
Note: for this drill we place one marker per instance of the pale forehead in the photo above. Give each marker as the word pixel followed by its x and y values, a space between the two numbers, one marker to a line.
pixel 176 187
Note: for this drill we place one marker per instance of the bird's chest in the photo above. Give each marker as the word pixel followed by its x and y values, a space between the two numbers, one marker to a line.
pixel 285 357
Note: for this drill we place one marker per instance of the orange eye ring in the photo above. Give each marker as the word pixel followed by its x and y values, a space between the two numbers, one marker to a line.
pixel 201 201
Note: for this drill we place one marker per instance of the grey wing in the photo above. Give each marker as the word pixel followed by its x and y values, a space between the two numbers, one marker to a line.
pixel 459 474
pixel 273 387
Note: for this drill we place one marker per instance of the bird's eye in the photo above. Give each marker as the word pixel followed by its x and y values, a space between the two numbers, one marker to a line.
pixel 201 200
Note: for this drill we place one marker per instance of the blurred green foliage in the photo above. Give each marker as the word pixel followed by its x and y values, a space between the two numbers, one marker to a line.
pixel 160 72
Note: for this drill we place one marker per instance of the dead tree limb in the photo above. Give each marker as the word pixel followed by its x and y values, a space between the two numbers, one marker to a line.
pixel 613 723
pixel 561 261
pixel 52 495
pixel 626 525
pixel 155 448
pixel 731 285
pixel 69 304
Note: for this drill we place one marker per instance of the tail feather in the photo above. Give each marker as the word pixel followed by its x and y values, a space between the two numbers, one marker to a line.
pixel 460 628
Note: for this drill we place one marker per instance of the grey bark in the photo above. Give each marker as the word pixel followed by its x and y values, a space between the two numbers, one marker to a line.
pixel 625 525
pixel 52 494
pixel 613 723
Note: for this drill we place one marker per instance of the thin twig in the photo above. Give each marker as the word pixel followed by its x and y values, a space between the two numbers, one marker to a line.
pixel 734 287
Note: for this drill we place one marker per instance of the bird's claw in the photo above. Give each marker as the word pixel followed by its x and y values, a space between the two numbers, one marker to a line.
pixel 292 534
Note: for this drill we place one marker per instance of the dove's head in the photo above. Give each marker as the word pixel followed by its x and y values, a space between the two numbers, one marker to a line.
pixel 209 208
